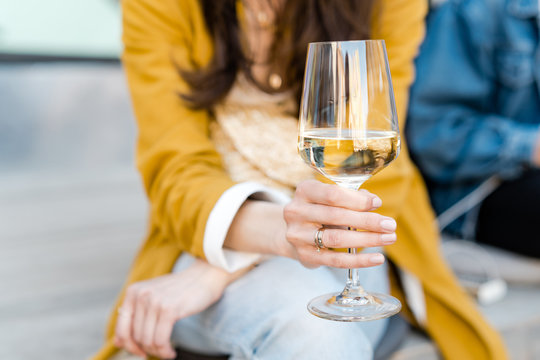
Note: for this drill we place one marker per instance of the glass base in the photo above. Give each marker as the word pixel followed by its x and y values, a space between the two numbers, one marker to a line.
pixel 370 306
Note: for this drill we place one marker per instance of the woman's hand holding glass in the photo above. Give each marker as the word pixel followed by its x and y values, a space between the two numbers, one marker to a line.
pixel 315 205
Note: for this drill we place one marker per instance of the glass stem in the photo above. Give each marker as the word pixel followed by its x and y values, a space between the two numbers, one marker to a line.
pixel 352 274
pixel 353 286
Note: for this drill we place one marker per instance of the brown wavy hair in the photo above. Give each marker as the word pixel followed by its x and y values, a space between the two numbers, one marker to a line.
pixel 299 22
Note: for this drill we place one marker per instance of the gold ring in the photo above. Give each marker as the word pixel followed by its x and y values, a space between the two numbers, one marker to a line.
pixel 319 239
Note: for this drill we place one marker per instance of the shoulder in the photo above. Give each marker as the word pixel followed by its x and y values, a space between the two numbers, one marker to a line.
pixel 169 17
pixel 164 8
pixel 401 24
pixel 414 6
pixel 398 19
pixel 172 24
pixel 387 11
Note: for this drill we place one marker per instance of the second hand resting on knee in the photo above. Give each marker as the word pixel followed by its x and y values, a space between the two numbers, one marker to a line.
pixel 151 307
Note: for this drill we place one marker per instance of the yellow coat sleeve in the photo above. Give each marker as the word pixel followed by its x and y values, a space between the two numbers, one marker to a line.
pixel 400 23
pixel 181 170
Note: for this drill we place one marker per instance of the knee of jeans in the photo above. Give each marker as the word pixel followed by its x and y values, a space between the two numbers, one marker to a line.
pixel 328 337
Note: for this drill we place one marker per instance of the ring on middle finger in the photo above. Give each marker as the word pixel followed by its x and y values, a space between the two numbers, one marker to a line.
pixel 319 239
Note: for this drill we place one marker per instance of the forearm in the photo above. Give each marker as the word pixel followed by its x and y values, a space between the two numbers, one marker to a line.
pixel 183 199
pixel 259 227
pixel 220 277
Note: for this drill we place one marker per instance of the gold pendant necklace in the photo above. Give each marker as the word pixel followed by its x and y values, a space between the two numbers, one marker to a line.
pixel 275 81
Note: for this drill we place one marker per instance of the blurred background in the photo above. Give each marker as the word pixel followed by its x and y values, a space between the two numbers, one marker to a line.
pixel 72 210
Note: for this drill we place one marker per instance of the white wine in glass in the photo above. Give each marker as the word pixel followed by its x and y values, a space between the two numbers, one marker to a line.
pixel 342 157
pixel 348 131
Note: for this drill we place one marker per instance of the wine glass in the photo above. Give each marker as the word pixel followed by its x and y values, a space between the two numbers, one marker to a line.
pixel 348 131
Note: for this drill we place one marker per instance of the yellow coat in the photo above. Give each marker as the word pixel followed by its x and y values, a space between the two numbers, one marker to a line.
pixel 183 174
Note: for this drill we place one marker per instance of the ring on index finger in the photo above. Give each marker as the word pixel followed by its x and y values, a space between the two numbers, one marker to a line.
pixel 319 239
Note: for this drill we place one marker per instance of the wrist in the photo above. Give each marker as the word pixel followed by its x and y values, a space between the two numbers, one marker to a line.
pixel 217 278
pixel 280 244
pixel 259 227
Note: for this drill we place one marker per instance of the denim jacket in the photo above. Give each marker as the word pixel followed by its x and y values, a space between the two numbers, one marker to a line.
pixel 475 107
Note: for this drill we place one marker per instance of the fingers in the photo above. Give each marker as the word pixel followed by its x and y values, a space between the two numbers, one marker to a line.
pixel 340 238
pixel 139 315
pixel 148 327
pixel 315 192
pixel 144 325
pixel 162 334
pixel 153 323
pixel 316 204
pixel 309 254
pixel 319 203
pixel 123 333
pixel 296 212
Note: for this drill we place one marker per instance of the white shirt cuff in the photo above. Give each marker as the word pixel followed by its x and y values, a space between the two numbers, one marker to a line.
pixel 220 220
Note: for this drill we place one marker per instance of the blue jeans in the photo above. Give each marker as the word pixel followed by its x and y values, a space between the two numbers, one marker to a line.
pixel 263 315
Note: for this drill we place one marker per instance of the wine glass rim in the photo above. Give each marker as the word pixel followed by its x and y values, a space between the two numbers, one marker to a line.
pixel 346 41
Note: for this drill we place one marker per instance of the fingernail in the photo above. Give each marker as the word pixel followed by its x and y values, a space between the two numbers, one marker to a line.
pixel 376 259
pixel 388 239
pixel 389 224
pixel 376 202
